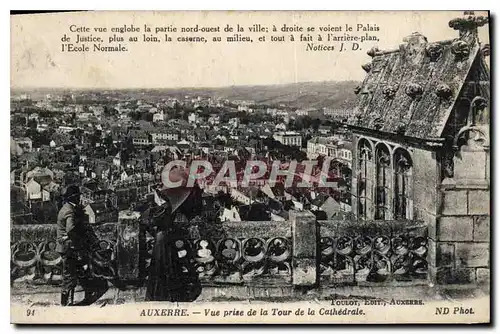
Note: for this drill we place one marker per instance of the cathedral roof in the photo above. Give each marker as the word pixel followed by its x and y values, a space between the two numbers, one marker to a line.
pixel 412 90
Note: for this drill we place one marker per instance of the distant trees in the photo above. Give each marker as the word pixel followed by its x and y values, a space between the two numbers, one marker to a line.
pixel 218 142
pixel 77 134
pixel 32 124
pixel 176 110
pixel 18 120
pixel 185 114
pixel 108 141
pixel 148 117
pixel 315 124
pixel 284 151
pixel 95 138
pixel 307 122
pixel 300 123
pixel 305 140
pixel 255 118
pixel 110 111
pixel 134 115
pixel 38 139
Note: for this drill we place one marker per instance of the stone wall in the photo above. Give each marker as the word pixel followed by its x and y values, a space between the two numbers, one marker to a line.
pixel 426 177
pixel 463 228
pixel 34 258
pixel 463 236
pixel 373 253
pixel 301 252
pixel 456 212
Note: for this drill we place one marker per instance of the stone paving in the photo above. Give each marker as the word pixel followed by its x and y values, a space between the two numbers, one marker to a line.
pixel 50 296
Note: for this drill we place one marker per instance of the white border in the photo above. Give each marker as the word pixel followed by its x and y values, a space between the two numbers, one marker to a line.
pixel 206 5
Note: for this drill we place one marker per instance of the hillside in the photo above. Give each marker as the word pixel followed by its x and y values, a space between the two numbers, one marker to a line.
pixel 330 94
pixel 298 95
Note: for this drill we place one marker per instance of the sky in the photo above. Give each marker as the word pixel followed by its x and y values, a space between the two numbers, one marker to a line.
pixel 37 60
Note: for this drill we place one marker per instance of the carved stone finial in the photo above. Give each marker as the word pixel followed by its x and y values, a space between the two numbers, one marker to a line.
pixel 373 51
pixel 413 90
pixel 485 50
pixel 389 91
pixel 378 123
pixel 415 38
pixel 367 67
pixel 481 136
pixel 460 49
pixel 443 91
pixel 401 128
pixel 434 51
pixel 481 104
pixel 448 165
pixel 357 89
pixel 468 23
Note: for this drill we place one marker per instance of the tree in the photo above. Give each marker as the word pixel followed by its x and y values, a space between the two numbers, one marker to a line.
pixel 185 115
pixel 306 139
pixel 32 124
pixel 18 120
pixel 302 122
pixel 316 123
pixel 77 134
pixel 177 110
pixel 148 117
pixel 110 111
pixel 134 115
pixel 108 141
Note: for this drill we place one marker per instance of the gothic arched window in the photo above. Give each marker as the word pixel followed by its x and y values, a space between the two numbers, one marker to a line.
pixel 365 183
pixel 383 177
pixel 403 198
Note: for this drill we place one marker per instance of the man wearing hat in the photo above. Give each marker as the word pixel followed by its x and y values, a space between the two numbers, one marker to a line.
pixel 66 222
pixel 75 242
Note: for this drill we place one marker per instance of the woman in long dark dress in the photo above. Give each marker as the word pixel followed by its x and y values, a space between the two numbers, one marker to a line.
pixel 172 275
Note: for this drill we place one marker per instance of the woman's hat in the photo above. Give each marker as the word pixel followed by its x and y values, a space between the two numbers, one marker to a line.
pixel 174 186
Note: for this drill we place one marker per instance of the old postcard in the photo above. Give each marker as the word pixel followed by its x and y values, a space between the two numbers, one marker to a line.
pixel 250 167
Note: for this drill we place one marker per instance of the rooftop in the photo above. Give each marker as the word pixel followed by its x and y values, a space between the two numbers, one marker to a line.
pixel 411 90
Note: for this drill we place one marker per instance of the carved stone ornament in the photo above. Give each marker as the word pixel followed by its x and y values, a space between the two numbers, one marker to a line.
pixel 448 166
pixel 468 23
pixel 414 90
pixel 443 91
pixel 401 128
pixel 480 104
pixel 486 50
pixel 389 91
pixel 434 51
pixel 367 67
pixel 378 123
pixel 460 49
pixel 478 136
pixel 357 89
pixel 373 51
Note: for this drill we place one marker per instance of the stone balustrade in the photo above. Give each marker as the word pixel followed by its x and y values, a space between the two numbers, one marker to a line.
pixel 376 252
pixel 299 252
pixel 34 257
